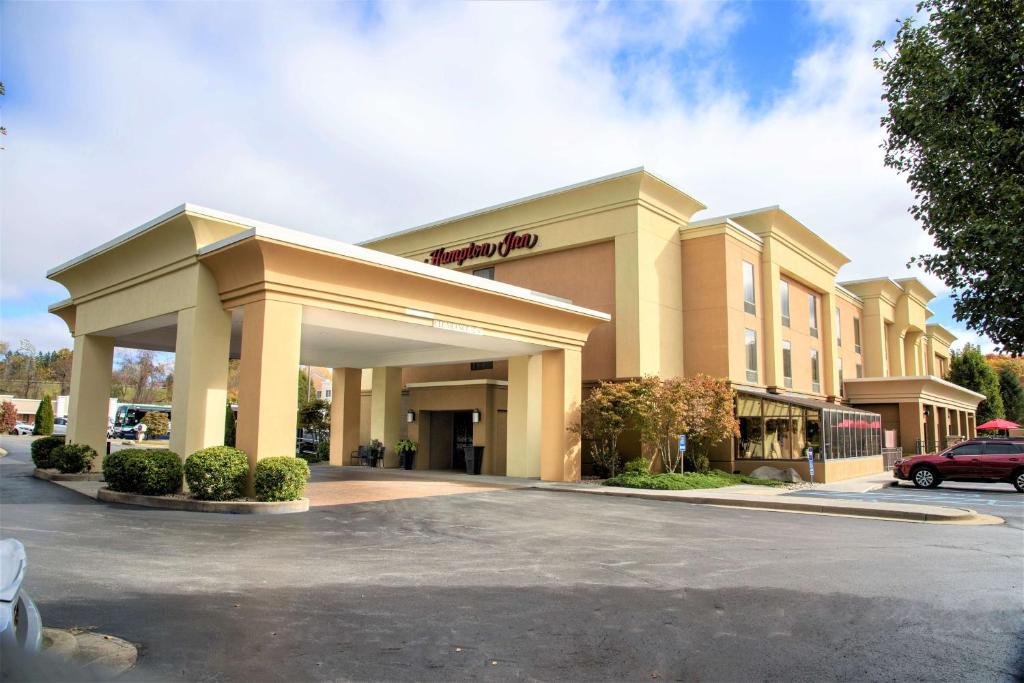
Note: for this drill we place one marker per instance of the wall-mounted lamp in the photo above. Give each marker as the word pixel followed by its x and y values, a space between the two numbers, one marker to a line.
pixel 410 416
pixel 476 415
pixel 927 411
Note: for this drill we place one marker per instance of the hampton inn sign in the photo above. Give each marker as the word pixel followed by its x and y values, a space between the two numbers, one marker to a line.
pixel 509 243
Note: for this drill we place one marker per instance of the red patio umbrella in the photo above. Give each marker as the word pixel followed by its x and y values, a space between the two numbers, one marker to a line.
pixel 999 423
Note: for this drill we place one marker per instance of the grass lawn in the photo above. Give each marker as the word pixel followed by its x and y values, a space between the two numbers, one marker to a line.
pixel 715 479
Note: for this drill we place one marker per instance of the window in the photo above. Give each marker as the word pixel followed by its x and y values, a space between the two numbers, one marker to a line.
pixel 784 298
pixel 749 302
pixel 968 449
pixel 328 393
pixel 751 348
pixel 787 364
pixel 860 370
pixel 812 301
pixel 319 394
pixel 482 365
pixel 486 273
pixel 839 329
pixel 856 335
pixel 815 374
pixel 839 369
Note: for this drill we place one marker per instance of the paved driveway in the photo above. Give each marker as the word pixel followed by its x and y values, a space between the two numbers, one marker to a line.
pixel 523 584
pixel 1001 500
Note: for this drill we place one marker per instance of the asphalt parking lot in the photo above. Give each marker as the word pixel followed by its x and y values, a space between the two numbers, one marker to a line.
pixel 522 584
pixel 1001 500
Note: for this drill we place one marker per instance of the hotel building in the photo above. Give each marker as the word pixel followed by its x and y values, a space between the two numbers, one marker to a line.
pixel 487 328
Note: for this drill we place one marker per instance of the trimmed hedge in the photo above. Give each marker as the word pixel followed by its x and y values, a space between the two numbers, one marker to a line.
pixel 217 473
pixel 281 478
pixel 42 451
pixel 142 470
pixel 72 458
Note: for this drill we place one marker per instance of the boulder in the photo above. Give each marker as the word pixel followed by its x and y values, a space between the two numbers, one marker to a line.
pixel 774 473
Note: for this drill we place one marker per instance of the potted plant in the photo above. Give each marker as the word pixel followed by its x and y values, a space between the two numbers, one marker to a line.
pixel 376 451
pixel 406 450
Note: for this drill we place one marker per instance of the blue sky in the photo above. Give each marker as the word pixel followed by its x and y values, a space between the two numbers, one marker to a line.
pixel 353 120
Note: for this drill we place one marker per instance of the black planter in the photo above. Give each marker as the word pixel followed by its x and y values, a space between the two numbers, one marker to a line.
pixel 474 459
pixel 407 458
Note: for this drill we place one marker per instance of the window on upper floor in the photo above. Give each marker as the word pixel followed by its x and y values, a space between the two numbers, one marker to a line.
pixel 856 335
pixel 481 365
pixel 860 370
pixel 784 301
pixel 815 372
pixel 787 363
pixel 750 346
pixel 327 393
pixel 839 328
pixel 812 303
pixel 749 297
pixel 839 370
pixel 486 273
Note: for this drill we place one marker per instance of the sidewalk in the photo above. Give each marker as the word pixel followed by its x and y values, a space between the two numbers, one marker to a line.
pixel 871 482
pixel 744 497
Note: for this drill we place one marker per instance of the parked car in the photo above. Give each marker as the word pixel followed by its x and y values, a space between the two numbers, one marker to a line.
pixel 60 426
pixel 988 460
pixel 21 429
pixel 21 627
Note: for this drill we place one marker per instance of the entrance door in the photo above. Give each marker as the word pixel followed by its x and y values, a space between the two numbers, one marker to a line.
pixel 462 436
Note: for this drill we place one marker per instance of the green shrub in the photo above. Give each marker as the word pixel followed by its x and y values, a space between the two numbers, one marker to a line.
pixel 42 451
pixel 281 478
pixel 323 450
pixel 44 417
pixel 217 473
pixel 142 470
pixel 72 458
pixel 682 482
pixel 637 466
pixel 230 426
pixel 157 423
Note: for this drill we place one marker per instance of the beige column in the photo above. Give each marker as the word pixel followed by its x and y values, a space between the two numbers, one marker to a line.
pixel 911 426
pixel 345 404
pixel 561 388
pixel 268 384
pixel 830 351
pixel 91 369
pixel 385 411
pixel 522 448
pixel 912 353
pixel 873 340
pixel 943 426
pixel 962 431
pixel 771 300
pixel 972 424
pixel 896 341
pixel 200 372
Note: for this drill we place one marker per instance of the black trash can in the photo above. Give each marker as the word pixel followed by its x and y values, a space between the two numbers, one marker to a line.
pixel 474 459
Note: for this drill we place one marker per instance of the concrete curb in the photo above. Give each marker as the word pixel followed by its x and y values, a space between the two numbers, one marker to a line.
pixel 54 475
pixel 191 505
pixel 904 512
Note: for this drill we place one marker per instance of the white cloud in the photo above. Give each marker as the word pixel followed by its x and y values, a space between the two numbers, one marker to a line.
pixel 44 330
pixel 964 337
pixel 352 125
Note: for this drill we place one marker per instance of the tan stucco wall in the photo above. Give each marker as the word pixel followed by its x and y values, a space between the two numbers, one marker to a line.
pixel 586 276
pixel 705 292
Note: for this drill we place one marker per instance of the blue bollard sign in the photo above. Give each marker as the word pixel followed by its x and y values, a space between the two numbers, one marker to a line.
pixel 810 462
pixel 682 443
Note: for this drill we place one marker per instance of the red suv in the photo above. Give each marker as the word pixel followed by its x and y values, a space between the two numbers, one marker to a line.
pixel 992 460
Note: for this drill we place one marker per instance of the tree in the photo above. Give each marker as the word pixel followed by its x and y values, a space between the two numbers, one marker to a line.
pixel 8 417
pixel 604 414
pixel 315 415
pixel 44 417
pixel 305 389
pixel 969 369
pixel 1012 393
pixel 709 415
pixel 230 424
pixel 156 423
pixel 954 87
pixel 661 416
pixel 138 376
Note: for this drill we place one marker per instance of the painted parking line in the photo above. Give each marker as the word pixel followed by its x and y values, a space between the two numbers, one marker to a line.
pixel 931 498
